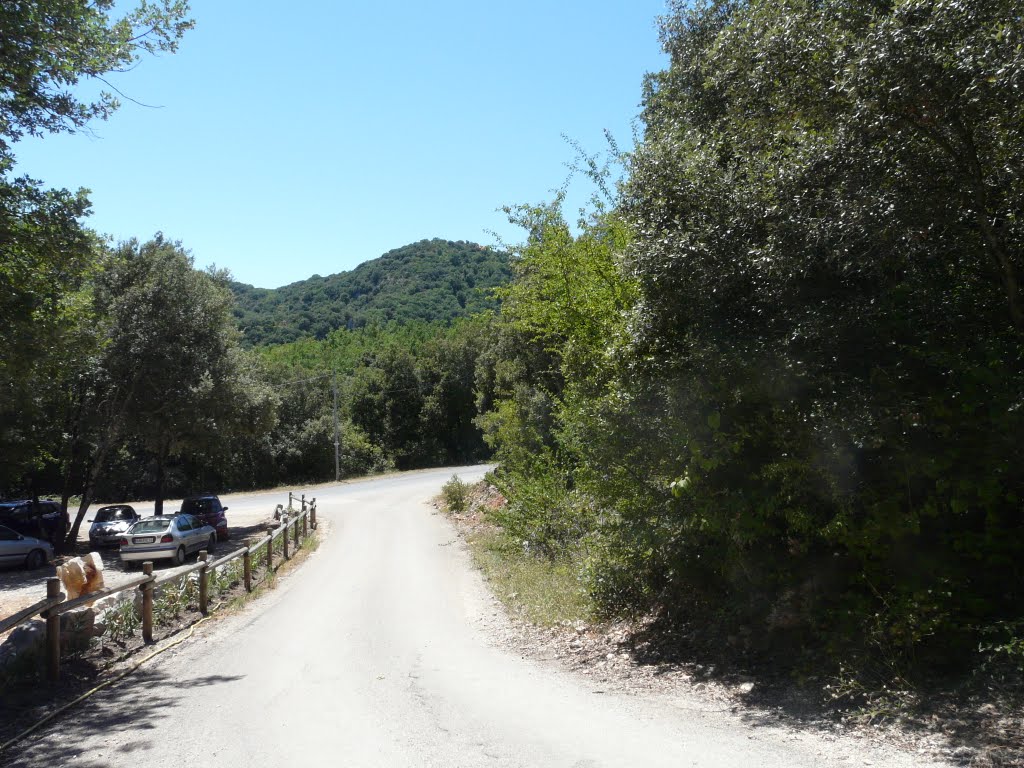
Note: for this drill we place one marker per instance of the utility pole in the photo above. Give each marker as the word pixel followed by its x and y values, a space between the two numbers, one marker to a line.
pixel 337 442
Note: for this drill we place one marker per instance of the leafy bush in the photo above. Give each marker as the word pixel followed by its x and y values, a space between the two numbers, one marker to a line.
pixel 455 494
pixel 122 621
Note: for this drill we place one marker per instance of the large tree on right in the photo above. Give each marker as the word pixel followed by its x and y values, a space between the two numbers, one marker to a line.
pixel 826 356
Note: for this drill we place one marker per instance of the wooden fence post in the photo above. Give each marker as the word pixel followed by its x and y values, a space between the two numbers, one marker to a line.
pixel 312 514
pixel 296 527
pixel 147 603
pixel 204 587
pixel 247 570
pixel 53 632
pixel 270 552
pixel 305 526
pixel 284 539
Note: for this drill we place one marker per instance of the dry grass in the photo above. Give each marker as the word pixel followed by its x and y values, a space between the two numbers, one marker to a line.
pixel 542 591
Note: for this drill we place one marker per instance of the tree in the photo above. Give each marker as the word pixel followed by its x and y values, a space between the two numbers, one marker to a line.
pixel 46 257
pixel 827 215
pixel 170 373
pixel 49 46
pixel 46 254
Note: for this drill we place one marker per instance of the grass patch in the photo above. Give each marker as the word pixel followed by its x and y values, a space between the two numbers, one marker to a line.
pixel 543 591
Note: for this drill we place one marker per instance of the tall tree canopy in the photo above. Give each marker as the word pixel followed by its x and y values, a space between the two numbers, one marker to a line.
pixel 48 47
pixel 808 419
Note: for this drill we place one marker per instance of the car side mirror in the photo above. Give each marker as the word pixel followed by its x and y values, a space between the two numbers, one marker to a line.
pixel 89 521
pixel 223 509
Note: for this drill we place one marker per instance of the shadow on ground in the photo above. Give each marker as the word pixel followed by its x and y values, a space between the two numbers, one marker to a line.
pixel 970 722
pixel 128 714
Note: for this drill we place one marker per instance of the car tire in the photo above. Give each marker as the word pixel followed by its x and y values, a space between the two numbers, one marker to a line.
pixel 211 544
pixel 179 555
pixel 36 558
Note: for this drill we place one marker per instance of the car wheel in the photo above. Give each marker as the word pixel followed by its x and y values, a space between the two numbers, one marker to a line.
pixel 211 544
pixel 179 555
pixel 35 559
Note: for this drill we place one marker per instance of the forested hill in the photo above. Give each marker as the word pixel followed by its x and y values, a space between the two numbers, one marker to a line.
pixel 429 280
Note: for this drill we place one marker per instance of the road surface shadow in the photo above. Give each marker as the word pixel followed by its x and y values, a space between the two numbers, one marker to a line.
pixel 129 716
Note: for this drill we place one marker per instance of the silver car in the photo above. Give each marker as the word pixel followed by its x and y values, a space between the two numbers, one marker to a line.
pixel 16 549
pixel 154 538
pixel 110 523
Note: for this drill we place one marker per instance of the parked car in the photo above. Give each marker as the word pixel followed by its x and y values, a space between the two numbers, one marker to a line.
pixel 18 549
pixel 207 507
pixel 110 523
pixel 49 521
pixel 174 537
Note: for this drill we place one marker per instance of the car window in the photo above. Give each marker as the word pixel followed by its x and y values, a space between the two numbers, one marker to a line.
pixel 184 522
pixel 197 506
pixel 110 514
pixel 6 534
pixel 22 512
pixel 150 526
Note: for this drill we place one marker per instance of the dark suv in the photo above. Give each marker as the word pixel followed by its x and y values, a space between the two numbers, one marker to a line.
pixel 207 507
pixel 49 522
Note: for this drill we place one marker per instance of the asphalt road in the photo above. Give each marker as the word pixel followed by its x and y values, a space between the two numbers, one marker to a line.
pixel 380 651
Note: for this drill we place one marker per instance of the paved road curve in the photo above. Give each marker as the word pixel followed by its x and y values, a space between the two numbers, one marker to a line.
pixel 376 653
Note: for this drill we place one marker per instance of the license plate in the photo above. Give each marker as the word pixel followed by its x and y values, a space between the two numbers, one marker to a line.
pixel 144 539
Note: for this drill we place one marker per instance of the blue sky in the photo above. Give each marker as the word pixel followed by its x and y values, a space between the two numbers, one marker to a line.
pixel 301 139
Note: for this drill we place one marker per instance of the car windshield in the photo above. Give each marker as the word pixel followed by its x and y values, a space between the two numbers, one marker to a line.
pixel 114 513
pixel 153 525
pixel 197 506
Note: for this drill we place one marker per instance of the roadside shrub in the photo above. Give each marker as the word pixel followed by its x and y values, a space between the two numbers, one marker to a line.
pixel 455 494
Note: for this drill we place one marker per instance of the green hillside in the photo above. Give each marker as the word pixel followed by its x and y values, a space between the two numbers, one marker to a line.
pixel 429 280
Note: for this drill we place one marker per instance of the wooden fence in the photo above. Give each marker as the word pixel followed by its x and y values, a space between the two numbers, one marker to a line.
pixel 295 527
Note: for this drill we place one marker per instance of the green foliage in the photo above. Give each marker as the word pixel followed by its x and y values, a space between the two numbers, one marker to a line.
pixel 1002 648
pixel 46 257
pixel 173 598
pixel 225 577
pixel 455 494
pixel 428 281
pixel 168 371
pixel 48 329
pixel 122 621
pixel 789 355
pixel 50 46
pixel 405 397
pixel 829 318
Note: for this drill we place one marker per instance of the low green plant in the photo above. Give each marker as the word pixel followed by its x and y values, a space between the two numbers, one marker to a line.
pixel 455 495
pixel 225 577
pixel 122 621
pixel 174 598
pixel 1002 646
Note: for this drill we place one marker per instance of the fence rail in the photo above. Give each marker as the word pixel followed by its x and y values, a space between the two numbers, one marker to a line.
pixel 56 603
